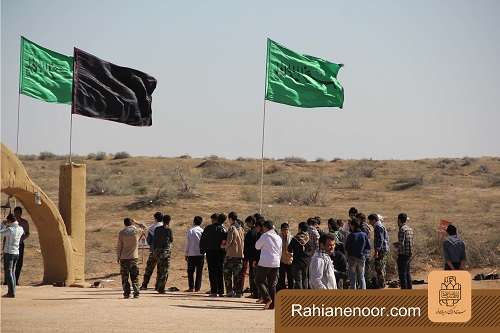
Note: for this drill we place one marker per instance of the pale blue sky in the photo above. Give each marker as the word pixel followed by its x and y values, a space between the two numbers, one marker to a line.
pixel 421 78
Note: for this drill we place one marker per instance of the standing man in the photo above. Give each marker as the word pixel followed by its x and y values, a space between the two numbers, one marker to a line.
pixel 453 250
pixel 250 256
pixel 152 260
pixel 18 212
pixel 210 243
pixel 302 250
pixel 266 275
pixel 312 230
pixel 285 271
pixel 381 248
pixel 357 245
pixel 127 253
pixel 162 245
pixel 321 270
pixel 194 258
pixel 12 232
pixel 233 262
pixel 405 251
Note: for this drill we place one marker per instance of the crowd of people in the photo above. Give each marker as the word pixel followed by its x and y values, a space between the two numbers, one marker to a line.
pixel 348 254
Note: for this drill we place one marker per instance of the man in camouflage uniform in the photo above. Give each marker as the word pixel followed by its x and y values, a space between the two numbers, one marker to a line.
pixel 381 247
pixel 233 262
pixel 162 244
pixel 128 255
pixel 152 259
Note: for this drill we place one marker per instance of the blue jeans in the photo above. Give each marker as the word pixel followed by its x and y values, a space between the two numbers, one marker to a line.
pixel 9 267
pixel 357 273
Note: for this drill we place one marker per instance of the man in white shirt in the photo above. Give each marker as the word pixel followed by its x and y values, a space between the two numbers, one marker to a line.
pixel 321 270
pixel 152 259
pixel 12 232
pixel 266 276
pixel 194 258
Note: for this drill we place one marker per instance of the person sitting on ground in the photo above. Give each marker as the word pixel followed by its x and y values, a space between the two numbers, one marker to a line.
pixel 233 262
pixel 162 245
pixel 266 275
pixel 453 250
pixel 127 253
pixel 357 245
pixel 302 250
pixel 12 231
pixel 321 268
pixel 152 260
pixel 194 258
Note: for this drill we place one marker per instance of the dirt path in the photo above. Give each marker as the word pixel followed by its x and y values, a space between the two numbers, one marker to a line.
pixel 50 309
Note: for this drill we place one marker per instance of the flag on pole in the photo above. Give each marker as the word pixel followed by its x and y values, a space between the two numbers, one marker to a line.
pixel 301 80
pixel 106 91
pixel 44 74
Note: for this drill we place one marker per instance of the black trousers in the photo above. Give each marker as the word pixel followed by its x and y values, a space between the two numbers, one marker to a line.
pixel 215 262
pixel 266 279
pixel 285 273
pixel 404 271
pixel 195 264
pixel 300 277
pixel 19 264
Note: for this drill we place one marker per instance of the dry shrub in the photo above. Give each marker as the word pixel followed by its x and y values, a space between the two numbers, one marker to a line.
pixel 494 180
pixel 121 155
pixel 164 195
pixel 249 195
pixel 47 155
pixel 302 196
pixel 295 159
pixel 273 169
pixel 221 169
pixel 406 183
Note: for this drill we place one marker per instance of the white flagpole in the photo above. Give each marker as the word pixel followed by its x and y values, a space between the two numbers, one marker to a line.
pixel 263 133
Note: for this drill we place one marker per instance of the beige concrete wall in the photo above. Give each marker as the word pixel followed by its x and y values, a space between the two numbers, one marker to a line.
pixel 72 206
pixel 63 261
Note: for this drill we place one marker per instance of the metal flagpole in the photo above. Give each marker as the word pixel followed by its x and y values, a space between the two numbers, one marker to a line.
pixel 262 158
pixel 70 135
pixel 18 119
pixel 263 133
pixel 21 60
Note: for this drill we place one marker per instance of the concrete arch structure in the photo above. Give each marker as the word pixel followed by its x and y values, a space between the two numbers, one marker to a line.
pixel 63 253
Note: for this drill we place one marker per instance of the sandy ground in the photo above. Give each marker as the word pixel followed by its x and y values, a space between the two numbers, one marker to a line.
pixel 52 309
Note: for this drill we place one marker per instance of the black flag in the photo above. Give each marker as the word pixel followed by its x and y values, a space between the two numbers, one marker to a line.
pixel 106 91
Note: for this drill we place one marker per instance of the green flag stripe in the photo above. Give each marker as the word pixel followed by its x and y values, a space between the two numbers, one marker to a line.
pixel 45 74
pixel 301 80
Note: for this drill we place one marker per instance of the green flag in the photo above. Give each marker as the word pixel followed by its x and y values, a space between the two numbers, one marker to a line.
pixel 45 74
pixel 301 80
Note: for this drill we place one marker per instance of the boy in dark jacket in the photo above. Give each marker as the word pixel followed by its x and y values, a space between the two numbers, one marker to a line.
pixel 302 250
pixel 340 265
